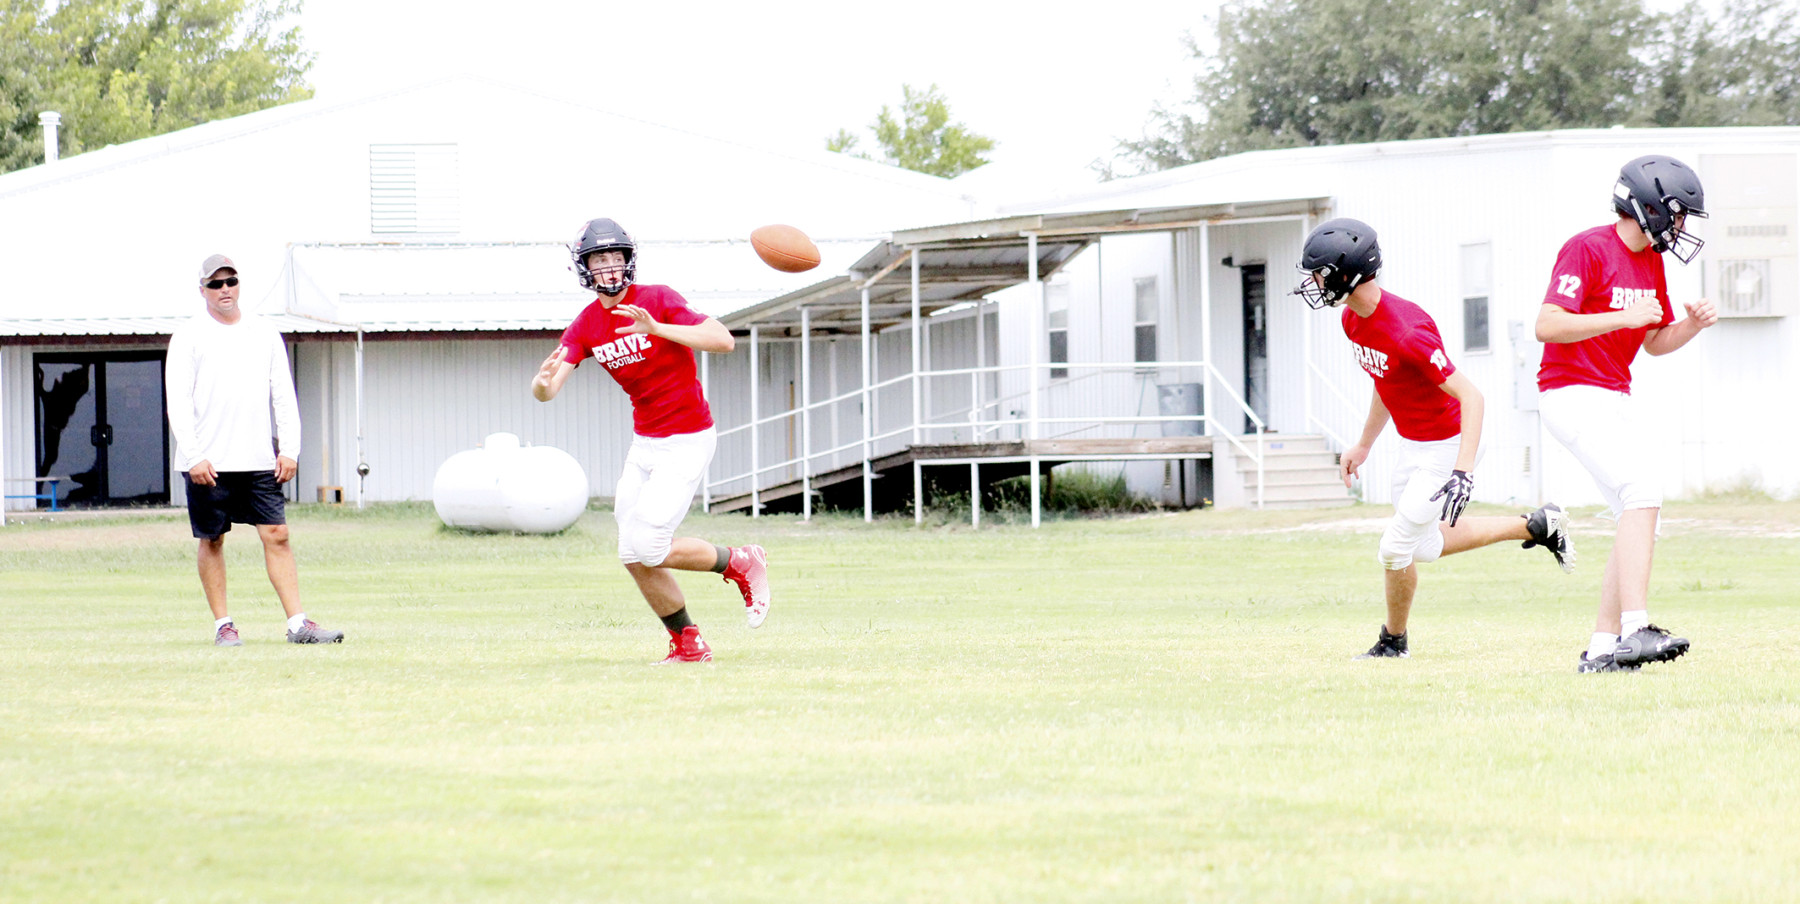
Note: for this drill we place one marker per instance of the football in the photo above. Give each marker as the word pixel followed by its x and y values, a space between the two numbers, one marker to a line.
pixel 785 248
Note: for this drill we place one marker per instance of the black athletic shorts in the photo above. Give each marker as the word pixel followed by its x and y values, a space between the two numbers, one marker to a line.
pixel 240 497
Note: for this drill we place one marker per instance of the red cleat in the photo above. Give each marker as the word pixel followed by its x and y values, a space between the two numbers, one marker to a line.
pixel 687 646
pixel 749 570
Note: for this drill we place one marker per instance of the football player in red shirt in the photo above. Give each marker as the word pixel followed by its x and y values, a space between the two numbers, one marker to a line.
pixel 1435 409
pixel 645 337
pixel 1608 298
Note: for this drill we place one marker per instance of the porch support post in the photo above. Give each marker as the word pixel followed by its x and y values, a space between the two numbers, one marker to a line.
pixel 1204 243
pixel 1036 319
pixel 868 470
pixel 918 397
pixel 974 494
pixel 755 427
pixel 805 414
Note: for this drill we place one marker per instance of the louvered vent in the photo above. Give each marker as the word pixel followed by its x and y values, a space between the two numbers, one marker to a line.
pixel 413 189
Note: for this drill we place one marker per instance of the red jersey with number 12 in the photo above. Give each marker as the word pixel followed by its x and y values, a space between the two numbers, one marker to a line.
pixel 1595 273
pixel 658 374
pixel 1400 347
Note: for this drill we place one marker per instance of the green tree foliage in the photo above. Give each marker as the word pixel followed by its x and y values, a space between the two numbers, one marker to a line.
pixel 920 137
pixel 119 70
pixel 1295 73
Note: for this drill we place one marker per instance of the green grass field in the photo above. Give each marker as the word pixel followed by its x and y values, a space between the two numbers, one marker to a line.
pixel 1156 708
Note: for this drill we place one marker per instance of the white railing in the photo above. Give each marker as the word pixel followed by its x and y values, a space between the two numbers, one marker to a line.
pixel 975 420
pixel 1313 419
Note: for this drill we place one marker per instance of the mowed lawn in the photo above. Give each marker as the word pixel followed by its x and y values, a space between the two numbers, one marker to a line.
pixel 1154 708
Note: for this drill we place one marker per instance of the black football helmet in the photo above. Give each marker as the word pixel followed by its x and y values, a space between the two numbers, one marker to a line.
pixel 1654 191
pixel 604 235
pixel 1342 254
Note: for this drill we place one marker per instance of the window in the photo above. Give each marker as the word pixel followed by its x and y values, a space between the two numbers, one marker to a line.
pixel 1477 287
pixel 1056 319
pixel 413 189
pixel 1144 319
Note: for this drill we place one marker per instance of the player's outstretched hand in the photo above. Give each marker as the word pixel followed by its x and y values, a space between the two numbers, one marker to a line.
pixel 1348 462
pixel 547 369
pixel 1702 312
pixel 1455 492
pixel 641 321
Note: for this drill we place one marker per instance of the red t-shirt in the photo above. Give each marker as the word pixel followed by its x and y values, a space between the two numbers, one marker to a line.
pixel 1596 273
pixel 1400 347
pixel 659 375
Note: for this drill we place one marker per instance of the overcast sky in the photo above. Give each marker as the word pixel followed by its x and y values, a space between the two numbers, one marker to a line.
pixel 1054 83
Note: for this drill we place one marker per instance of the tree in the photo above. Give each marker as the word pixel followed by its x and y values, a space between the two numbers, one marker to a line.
pixel 1293 73
pixel 119 70
pixel 920 137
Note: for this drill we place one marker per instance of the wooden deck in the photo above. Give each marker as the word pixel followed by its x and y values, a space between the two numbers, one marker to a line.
pixel 841 488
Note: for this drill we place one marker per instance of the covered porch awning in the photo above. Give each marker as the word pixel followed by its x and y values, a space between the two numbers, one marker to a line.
pixel 961 263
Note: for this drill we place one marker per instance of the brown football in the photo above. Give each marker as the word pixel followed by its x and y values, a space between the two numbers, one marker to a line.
pixel 785 248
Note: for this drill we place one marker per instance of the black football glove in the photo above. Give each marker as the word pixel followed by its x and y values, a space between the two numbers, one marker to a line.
pixel 1455 492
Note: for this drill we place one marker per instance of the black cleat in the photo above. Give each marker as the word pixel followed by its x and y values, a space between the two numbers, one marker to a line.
pixel 1390 646
pixel 1649 644
pixel 1549 527
pixel 1604 663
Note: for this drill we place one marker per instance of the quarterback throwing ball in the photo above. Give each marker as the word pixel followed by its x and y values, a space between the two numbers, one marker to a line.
pixel 645 338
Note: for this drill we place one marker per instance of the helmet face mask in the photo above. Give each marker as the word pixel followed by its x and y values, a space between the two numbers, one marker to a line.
pixel 1339 255
pixel 597 236
pixel 1660 194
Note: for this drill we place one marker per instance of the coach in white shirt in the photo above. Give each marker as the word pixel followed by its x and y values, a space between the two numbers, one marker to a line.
pixel 227 370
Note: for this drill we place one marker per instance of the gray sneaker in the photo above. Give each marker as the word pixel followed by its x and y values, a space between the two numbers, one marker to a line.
pixel 312 633
pixel 1604 663
pixel 227 636
pixel 1549 527
pixel 1649 644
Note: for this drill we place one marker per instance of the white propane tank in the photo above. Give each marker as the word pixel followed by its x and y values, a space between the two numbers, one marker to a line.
pixel 503 486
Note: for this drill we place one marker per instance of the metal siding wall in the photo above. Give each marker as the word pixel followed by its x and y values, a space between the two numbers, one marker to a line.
pixel 425 401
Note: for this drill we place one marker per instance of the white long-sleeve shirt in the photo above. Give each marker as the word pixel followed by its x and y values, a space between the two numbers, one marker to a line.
pixel 223 383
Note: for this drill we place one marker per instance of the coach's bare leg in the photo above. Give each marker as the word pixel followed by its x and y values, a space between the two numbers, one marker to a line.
pixel 212 574
pixel 1626 587
pixel 278 557
pixel 1474 533
pixel 1400 588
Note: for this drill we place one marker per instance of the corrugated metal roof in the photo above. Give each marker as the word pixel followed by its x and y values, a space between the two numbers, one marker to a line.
pixel 961 262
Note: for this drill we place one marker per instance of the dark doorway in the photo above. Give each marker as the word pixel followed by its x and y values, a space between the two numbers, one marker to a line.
pixel 101 427
pixel 1256 343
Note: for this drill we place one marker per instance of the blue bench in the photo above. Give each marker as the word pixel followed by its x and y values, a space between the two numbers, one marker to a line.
pixel 49 496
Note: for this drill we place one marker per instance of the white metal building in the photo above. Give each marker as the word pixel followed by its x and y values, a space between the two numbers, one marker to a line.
pixel 1469 230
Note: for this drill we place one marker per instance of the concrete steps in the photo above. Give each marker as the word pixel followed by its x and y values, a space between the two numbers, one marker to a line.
pixel 1298 472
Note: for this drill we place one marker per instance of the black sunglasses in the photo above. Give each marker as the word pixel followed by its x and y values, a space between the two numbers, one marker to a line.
pixel 220 283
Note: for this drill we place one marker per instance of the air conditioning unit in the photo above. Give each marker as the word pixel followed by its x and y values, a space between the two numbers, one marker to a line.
pixel 1750 266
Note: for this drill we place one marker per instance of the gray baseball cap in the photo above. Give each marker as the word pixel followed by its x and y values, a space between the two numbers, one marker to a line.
pixel 213 264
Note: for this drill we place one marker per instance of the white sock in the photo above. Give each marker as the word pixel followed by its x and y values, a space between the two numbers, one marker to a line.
pixel 297 622
pixel 1603 644
pixel 221 623
pixel 1633 619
